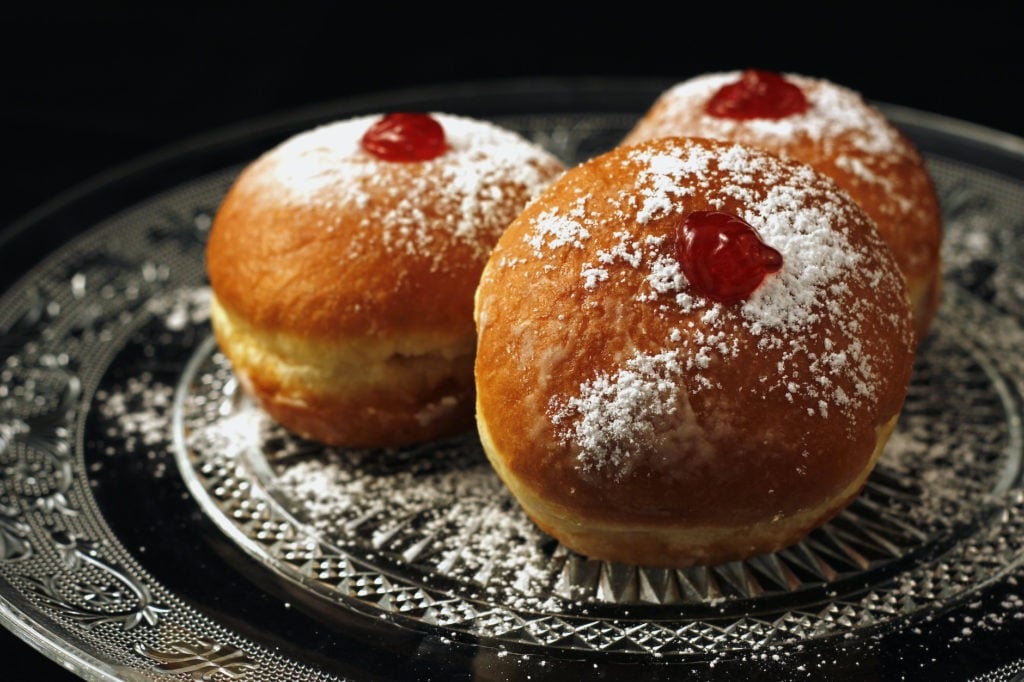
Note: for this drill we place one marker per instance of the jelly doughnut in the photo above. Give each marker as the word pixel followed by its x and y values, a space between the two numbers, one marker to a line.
pixel 342 265
pixel 689 351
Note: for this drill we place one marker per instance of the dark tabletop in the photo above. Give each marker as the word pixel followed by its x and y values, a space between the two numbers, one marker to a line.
pixel 89 86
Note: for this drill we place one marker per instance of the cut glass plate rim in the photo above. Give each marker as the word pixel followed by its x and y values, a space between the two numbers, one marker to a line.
pixel 20 617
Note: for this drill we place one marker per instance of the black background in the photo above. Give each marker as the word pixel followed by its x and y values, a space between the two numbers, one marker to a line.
pixel 89 86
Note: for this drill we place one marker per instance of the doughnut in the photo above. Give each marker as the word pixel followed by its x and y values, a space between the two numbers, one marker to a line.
pixel 689 351
pixel 833 129
pixel 342 265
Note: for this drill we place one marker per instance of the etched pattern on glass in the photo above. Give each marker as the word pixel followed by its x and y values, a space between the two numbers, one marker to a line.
pixel 427 538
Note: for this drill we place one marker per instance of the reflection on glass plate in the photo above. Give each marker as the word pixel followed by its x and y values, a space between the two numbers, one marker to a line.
pixel 430 535
pixel 110 381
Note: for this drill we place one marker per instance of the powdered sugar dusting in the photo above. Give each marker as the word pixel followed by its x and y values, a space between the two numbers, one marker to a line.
pixel 555 229
pixel 613 412
pixel 462 518
pixel 840 133
pixel 834 112
pixel 477 186
pixel 448 537
pixel 793 210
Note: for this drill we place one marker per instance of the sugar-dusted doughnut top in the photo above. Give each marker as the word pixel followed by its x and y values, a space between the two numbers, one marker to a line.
pixel 318 237
pixel 840 134
pixel 614 390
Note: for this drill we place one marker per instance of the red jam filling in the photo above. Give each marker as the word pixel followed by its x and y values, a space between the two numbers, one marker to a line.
pixel 757 94
pixel 403 136
pixel 722 256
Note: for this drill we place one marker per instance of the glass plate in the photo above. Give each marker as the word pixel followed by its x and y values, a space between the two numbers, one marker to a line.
pixel 154 524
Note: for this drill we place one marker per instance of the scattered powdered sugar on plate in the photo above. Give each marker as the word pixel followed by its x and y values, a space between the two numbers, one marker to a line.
pixel 446 522
pixel 181 309
pixel 437 520
pixel 935 478
pixel 437 511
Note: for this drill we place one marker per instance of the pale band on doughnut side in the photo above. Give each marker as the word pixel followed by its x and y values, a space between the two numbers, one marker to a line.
pixel 349 391
pixel 669 546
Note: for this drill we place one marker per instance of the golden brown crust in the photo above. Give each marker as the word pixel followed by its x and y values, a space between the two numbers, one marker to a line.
pixel 611 390
pixel 846 138
pixel 318 238
pixel 279 267
pixel 345 283
pixel 664 545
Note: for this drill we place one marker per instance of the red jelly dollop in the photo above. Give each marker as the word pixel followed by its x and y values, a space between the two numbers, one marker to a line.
pixel 722 256
pixel 404 136
pixel 757 94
